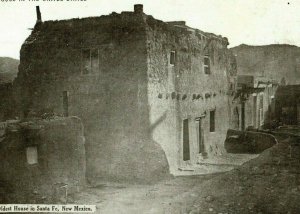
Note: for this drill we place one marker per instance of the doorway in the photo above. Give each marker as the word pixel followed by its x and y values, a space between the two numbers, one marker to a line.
pixel 200 136
pixel 66 103
pixel 186 140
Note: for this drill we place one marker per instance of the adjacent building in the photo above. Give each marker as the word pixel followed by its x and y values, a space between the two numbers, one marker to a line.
pixel 287 105
pixel 254 102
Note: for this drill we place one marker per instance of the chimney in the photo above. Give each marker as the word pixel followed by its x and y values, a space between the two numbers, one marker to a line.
pixel 138 8
pixel 38 14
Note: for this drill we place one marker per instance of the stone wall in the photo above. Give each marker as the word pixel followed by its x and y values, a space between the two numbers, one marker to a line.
pixel 42 157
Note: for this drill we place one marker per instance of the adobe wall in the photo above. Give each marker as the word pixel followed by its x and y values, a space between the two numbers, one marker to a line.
pixel 184 91
pixel 268 108
pixel 287 105
pixel 6 111
pixel 112 101
pixel 60 158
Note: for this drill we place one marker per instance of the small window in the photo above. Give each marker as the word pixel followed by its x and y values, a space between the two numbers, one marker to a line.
pixel 90 61
pixel 172 58
pixel 212 121
pixel 206 64
pixel 32 155
pixel 86 62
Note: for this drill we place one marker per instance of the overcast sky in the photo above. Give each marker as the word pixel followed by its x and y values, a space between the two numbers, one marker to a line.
pixel 253 22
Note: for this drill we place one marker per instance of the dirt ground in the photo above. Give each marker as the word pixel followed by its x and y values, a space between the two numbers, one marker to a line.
pixel 269 183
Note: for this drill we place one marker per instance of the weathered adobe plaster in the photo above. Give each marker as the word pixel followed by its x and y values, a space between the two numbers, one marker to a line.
pixel 132 105
pixel 184 91
pixel 112 100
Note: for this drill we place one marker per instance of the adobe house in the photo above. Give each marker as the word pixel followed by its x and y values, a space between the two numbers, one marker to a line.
pixel 254 102
pixel 154 96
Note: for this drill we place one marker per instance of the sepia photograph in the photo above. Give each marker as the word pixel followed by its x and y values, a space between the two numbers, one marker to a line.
pixel 161 107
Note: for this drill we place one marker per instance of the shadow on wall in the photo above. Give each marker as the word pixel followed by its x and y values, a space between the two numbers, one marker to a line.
pixel 122 148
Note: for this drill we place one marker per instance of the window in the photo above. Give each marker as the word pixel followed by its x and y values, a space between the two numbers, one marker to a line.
pixel 172 58
pixel 272 105
pixel 86 62
pixel 90 61
pixel 212 121
pixel 206 64
pixel 32 155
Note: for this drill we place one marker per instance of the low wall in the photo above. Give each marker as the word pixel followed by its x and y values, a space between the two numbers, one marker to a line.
pixel 289 129
pixel 42 158
pixel 248 142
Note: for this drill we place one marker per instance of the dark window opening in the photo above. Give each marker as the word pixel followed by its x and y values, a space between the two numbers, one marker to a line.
pixel 172 58
pixel 212 121
pixel 86 62
pixel 186 140
pixel 90 61
pixel 206 64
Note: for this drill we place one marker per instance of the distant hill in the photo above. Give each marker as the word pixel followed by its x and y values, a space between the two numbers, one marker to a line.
pixel 8 69
pixel 272 61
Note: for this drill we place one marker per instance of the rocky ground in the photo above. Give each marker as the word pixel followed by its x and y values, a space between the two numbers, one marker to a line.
pixel 267 184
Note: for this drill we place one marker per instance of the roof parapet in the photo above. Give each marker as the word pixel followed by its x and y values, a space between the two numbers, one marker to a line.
pixel 181 23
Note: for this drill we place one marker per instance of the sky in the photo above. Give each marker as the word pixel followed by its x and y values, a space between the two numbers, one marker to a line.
pixel 252 22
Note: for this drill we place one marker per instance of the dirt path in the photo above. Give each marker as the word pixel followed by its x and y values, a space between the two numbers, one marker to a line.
pixel 116 198
pixel 267 184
